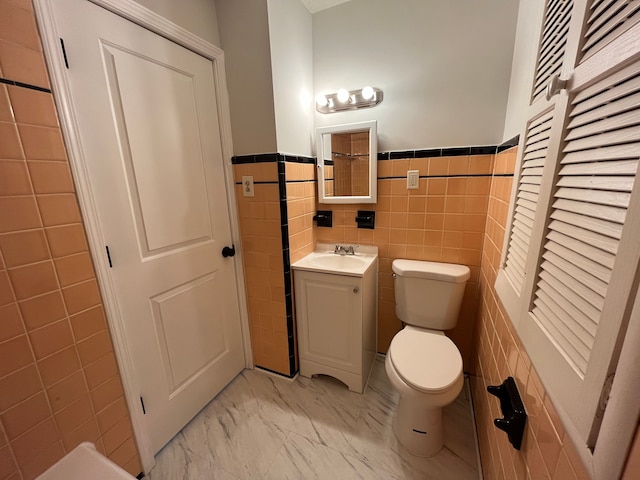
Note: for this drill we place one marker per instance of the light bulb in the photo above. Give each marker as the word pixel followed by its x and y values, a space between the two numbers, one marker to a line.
pixel 367 93
pixel 343 95
pixel 321 100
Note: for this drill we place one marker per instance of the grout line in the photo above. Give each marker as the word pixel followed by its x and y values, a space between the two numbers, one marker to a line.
pixel 475 426
pixel 284 442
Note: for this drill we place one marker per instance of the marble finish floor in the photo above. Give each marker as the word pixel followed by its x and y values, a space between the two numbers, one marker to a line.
pixel 263 427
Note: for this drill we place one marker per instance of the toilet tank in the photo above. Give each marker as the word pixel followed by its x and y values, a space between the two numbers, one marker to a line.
pixel 429 294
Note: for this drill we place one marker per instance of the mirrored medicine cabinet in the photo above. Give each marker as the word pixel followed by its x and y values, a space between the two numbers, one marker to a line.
pixel 347 161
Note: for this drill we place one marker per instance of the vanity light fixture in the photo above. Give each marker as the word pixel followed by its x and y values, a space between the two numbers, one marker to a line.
pixel 344 99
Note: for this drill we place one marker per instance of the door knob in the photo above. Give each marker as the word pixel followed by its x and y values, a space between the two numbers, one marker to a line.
pixel 229 251
pixel 554 86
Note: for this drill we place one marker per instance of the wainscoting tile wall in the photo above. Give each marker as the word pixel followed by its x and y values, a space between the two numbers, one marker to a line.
pixel 59 382
pixel 301 207
pixel 443 220
pixel 547 452
pixel 262 253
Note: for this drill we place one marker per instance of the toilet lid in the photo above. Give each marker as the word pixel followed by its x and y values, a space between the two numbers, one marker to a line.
pixel 426 361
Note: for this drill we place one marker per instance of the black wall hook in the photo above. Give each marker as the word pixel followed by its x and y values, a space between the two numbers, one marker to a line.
pixel 515 417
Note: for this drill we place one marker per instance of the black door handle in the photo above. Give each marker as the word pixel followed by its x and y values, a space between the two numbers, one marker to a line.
pixel 229 251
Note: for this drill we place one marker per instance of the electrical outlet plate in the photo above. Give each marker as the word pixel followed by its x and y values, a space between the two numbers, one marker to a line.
pixel 247 186
pixel 413 178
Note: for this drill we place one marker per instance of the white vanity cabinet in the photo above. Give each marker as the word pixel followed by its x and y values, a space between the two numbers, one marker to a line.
pixel 336 316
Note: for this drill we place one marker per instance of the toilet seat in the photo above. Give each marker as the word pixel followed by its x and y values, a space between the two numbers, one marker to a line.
pixel 427 361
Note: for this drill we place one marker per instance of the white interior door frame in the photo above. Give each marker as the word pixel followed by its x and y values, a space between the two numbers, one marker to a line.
pixel 144 17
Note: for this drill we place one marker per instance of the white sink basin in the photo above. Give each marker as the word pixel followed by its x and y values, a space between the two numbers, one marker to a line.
pixel 338 262
pixel 324 260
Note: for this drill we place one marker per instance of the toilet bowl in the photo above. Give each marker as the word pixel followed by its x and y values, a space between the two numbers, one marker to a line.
pixel 422 364
pixel 423 391
pixel 85 463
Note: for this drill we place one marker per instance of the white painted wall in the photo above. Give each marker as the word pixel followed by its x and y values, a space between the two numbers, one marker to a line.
pixel 244 37
pixel 444 67
pixel 530 16
pixel 197 16
pixel 290 33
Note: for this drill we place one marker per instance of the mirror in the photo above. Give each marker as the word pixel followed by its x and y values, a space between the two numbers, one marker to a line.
pixel 347 160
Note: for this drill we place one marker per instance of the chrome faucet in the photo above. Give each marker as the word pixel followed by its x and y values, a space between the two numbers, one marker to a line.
pixel 345 249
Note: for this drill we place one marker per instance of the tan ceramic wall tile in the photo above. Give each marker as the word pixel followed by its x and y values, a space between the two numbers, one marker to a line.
pixel 564 471
pixel 18 26
pixel 10 322
pixel 74 269
pixel 106 393
pixel 18 213
pixel 42 310
pixel 39 463
pixel 18 386
pixel 117 436
pixel 33 107
pixel 133 466
pixel 14 178
pixel 50 177
pixel 6 291
pixel 42 143
pixel 438 166
pixel 94 347
pixel 23 65
pixel 66 392
pixel 81 296
pixel 111 415
pixel 75 415
pixel 124 453
pixel 51 339
pixel 8 466
pixel 481 164
pixel 25 415
pixel 35 441
pixel 100 371
pixel 9 141
pixel 66 240
pixel 14 355
pixel 25 247
pixel 88 323
pixel 58 209
pixel 59 365
pixel 35 279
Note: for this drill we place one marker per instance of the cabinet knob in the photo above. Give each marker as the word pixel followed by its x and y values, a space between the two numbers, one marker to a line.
pixel 356 289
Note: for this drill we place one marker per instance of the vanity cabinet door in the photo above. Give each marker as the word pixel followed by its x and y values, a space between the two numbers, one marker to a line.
pixel 329 314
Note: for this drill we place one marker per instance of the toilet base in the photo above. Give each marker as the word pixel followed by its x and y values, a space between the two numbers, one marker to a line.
pixel 418 429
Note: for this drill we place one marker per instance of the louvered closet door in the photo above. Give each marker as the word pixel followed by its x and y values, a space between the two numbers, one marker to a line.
pixel 607 20
pixel 536 146
pixel 537 153
pixel 553 44
pixel 590 253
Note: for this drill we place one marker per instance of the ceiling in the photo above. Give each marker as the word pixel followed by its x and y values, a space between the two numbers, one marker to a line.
pixel 316 5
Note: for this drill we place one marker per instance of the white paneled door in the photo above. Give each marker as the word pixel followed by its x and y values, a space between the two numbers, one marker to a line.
pixel 147 120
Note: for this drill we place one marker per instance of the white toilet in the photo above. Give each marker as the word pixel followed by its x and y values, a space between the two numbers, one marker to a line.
pixel 85 462
pixel 423 365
